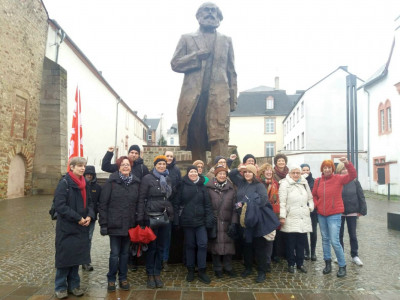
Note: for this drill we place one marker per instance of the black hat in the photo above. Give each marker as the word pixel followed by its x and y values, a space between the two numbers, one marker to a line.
pixel 247 156
pixel 134 147
pixel 90 170
pixel 217 158
pixel 192 167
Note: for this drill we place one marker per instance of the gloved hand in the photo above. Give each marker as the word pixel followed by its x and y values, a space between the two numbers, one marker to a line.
pixel 232 231
pixel 103 230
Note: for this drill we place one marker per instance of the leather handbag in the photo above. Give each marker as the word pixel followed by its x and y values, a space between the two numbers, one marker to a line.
pixel 158 219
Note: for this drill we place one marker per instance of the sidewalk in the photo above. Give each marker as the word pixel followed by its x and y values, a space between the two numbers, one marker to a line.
pixel 27 264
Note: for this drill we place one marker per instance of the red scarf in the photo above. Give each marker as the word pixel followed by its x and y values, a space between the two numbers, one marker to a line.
pixel 280 174
pixel 81 182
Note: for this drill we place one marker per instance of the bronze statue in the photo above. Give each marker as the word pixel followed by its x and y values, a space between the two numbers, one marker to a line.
pixel 209 90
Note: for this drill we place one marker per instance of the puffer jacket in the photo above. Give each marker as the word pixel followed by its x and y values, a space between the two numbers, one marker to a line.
pixel 327 191
pixel 296 203
pixel 223 198
pixel 117 209
pixel 152 199
pixel 194 199
pixel 354 199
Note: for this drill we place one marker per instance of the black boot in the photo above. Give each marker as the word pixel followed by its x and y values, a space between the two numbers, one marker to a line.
pixel 328 267
pixel 341 272
pixel 190 274
pixel 203 277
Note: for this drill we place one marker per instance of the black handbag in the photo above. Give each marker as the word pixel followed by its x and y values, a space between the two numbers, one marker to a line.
pixel 158 219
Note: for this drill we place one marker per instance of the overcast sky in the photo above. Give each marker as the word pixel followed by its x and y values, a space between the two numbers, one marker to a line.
pixel 300 41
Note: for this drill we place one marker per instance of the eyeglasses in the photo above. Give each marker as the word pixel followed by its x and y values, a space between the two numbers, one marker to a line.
pixel 125 165
pixel 295 173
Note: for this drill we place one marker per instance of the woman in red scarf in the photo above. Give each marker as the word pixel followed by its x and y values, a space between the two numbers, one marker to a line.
pixel 75 211
pixel 266 177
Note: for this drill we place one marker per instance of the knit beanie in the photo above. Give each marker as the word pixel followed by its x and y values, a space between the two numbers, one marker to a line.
pixel 220 169
pixel 134 147
pixel 328 163
pixel 159 158
pixel 278 156
pixel 305 165
pixel 217 158
pixel 252 169
pixel 247 156
pixel 90 170
pixel 192 167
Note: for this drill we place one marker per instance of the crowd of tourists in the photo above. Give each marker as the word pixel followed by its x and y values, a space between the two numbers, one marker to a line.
pixel 260 214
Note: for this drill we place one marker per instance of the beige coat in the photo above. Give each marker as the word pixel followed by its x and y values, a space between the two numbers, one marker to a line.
pixel 223 87
pixel 296 203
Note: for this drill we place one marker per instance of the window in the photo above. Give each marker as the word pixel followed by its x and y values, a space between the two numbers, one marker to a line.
pixel 284 129
pixel 294 144
pixel 298 114
pixel 389 118
pixel 385 118
pixel 290 123
pixel 269 125
pixel 381 170
pixel 270 102
pixel 294 118
pixel 290 148
pixel 302 109
pixel 171 140
pixel 269 149
pixel 298 143
pixel 382 120
pixel 302 140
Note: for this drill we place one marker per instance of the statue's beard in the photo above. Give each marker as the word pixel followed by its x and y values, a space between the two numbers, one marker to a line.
pixel 209 22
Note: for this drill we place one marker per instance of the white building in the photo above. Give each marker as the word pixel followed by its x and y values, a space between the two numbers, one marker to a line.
pixel 256 124
pixel 381 93
pixel 316 128
pixel 106 119
pixel 173 135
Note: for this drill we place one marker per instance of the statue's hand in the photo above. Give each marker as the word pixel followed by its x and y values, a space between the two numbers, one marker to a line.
pixel 203 54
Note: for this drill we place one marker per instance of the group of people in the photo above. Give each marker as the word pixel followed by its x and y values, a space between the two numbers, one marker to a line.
pixel 259 213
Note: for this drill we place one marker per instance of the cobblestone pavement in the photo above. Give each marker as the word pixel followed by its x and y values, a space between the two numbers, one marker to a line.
pixel 27 264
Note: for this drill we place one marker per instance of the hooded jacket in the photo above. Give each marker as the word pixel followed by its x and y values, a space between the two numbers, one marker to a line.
pixel 94 188
pixel 327 191
pixel 296 203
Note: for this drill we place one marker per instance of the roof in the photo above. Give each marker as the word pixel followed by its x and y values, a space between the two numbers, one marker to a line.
pixel 254 104
pixel 152 123
pixel 261 88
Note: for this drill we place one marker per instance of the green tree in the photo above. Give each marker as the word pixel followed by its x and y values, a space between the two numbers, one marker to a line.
pixel 162 141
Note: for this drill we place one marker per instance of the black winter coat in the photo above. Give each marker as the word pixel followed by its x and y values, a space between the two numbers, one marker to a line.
pixel 310 180
pixel 138 169
pixel 72 239
pixel 152 199
pixel 117 209
pixel 95 191
pixel 175 177
pixel 353 198
pixel 197 210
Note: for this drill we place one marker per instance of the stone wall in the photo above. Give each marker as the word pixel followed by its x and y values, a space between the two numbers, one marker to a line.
pixel 23 34
pixel 51 153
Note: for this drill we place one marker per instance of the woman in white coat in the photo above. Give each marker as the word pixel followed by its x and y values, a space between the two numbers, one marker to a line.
pixel 296 203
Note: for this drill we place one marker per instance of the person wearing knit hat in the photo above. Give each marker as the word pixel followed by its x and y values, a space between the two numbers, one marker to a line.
pixel 138 169
pixel 220 169
pixel 354 207
pixel 249 159
pixel 254 244
pixel 199 164
pixel 327 193
pixel 306 173
pixel 159 158
pixel 195 218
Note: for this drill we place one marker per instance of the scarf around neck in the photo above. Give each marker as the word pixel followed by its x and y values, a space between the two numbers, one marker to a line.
pixel 219 185
pixel 81 183
pixel 165 187
pixel 126 179
pixel 280 174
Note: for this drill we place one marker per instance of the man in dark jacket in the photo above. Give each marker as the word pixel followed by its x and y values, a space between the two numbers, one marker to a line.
pixel 95 190
pixel 138 169
pixel 175 177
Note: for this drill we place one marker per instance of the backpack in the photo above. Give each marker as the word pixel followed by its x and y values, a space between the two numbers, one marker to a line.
pixel 53 213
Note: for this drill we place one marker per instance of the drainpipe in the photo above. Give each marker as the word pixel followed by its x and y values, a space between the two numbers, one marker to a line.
pixel 62 37
pixel 368 144
pixel 116 128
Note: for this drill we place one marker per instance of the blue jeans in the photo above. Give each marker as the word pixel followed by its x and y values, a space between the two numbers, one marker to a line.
pixel 196 237
pixel 67 279
pixel 118 261
pixel 167 244
pixel 330 229
pixel 155 252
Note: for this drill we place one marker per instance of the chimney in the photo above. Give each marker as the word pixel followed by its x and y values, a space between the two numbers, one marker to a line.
pixel 277 83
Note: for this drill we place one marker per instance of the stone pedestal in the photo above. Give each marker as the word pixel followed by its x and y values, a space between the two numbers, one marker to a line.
pixel 393 221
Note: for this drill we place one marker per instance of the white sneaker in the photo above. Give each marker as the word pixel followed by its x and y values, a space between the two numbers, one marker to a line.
pixel 335 260
pixel 357 261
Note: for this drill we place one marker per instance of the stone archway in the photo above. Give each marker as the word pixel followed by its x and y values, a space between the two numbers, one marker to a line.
pixel 16 177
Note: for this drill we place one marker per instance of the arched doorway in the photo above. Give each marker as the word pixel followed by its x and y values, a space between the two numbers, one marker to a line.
pixel 16 177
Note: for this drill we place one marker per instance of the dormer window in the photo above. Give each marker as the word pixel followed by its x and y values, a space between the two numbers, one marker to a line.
pixel 269 102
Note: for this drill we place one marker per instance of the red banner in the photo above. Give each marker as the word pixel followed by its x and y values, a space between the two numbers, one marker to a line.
pixel 75 143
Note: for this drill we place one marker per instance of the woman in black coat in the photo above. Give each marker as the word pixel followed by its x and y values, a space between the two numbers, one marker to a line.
pixel 117 212
pixel 73 205
pixel 196 216
pixel 154 198
pixel 354 207
pixel 248 187
pixel 306 172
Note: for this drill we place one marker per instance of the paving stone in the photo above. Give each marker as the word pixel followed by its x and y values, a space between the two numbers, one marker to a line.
pixel 168 295
pixel 265 296
pixel 241 296
pixel 215 296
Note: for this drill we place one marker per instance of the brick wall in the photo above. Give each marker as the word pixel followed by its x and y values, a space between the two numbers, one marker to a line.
pixel 23 34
